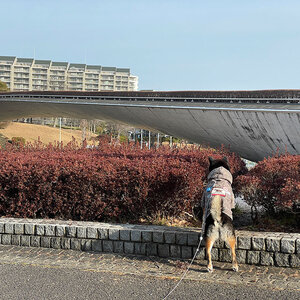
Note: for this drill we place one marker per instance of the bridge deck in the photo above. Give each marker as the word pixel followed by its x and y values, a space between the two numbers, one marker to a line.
pixel 255 124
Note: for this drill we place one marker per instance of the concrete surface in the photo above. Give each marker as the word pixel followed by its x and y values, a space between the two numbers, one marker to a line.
pixel 254 130
pixel 31 273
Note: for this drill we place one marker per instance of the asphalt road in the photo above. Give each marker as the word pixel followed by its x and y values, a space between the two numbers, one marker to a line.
pixel 19 281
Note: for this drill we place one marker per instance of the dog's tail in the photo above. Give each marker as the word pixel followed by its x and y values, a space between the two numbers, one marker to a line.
pixel 216 208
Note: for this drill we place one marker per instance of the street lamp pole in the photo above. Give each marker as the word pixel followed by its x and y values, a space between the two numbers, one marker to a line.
pixel 59 132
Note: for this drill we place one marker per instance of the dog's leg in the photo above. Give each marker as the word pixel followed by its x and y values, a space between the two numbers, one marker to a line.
pixel 232 242
pixel 209 243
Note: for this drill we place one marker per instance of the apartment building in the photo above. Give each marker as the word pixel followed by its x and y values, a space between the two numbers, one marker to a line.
pixel 27 74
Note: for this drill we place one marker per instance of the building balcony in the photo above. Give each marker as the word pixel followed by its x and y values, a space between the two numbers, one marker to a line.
pixel 39 84
pixel 71 82
pixel 39 78
pixel 21 71
pixel 21 81
pixel 57 79
pixel 39 73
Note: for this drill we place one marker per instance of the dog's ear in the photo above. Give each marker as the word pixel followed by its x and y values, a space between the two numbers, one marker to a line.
pixel 210 160
pixel 225 159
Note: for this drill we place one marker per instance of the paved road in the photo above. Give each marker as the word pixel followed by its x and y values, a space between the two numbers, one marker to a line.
pixel 34 273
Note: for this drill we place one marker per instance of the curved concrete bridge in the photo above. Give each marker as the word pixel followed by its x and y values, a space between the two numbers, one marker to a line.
pixel 254 124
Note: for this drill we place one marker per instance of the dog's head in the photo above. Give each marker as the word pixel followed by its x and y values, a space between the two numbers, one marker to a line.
pixel 216 163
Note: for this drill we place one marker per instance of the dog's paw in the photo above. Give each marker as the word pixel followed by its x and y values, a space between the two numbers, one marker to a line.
pixel 210 269
pixel 235 268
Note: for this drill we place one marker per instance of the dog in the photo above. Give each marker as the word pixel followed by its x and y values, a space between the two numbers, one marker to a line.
pixel 216 204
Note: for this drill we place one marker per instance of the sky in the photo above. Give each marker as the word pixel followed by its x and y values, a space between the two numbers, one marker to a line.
pixel 168 44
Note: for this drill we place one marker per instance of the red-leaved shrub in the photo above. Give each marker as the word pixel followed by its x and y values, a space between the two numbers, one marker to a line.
pixel 273 183
pixel 104 183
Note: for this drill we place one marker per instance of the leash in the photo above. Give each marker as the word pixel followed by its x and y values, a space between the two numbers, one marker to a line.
pixel 182 277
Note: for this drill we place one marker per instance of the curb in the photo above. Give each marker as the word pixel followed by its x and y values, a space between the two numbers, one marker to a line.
pixel 258 248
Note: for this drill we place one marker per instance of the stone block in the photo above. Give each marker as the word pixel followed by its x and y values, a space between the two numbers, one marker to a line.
pixel 29 229
pixel 40 229
pixel 158 237
pixel 55 242
pixel 114 234
pixel 97 245
pixel 92 232
pixel 75 244
pixel 244 242
pixel 163 250
pixel 225 255
pixel 140 248
pixel 295 261
pixel 170 237
pixel 45 241
pixel 19 228
pixel 6 239
pixel 288 245
pixel 118 246
pixel 66 243
pixel 81 232
pixel 201 253
pixel 258 243
pixel 175 251
pixel 146 236
pixel 35 241
pixel 9 228
pixel 128 247
pixel 136 236
pixel 125 235
pixel 151 249
pixel 103 233
pixel 253 257
pixel 267 258
pixel 241 256
pixel 186 252
pixel 215 254
pixel 60 230
pixel 219 244
pixel 16 240
pixel 50 230
pixel 86 245
pixel 298 246
pixel 1 227
pixel 25 240
pixel 108 246
pixel 193 239
pixel 273 244
pixel 282 259
pixel 70 231
pixel 181 238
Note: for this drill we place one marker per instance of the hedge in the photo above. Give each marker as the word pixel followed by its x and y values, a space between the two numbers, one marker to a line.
pixel 273 183
pixel 105 183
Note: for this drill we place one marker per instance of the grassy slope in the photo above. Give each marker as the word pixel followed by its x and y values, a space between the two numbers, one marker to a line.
pixel 31 132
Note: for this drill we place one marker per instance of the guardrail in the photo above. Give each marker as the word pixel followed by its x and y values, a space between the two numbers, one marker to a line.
pixel 154 99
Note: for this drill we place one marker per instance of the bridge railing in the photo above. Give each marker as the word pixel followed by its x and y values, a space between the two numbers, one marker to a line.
pixel 28 96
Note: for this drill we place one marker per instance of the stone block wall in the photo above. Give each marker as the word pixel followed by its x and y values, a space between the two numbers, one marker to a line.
pixel 259 248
